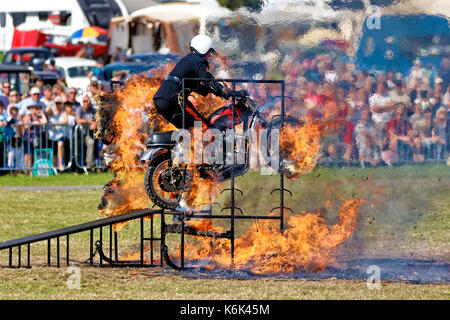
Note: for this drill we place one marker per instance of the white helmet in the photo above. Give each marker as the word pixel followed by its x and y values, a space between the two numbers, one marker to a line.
pixel 202 44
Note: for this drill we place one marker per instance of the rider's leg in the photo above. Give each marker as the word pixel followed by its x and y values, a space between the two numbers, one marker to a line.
pixel 172 112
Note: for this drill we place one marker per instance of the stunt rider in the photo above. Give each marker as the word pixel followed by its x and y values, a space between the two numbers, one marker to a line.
pixel 168 99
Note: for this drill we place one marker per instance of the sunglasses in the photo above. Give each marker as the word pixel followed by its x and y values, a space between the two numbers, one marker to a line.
pixel 6 87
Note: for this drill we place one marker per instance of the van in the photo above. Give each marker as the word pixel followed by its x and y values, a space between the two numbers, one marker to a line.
pixel 54 17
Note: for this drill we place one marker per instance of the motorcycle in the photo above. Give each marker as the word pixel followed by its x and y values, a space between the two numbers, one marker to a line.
pixel 166 181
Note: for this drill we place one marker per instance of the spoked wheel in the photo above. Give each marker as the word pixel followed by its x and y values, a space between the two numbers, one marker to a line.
pixel 164 183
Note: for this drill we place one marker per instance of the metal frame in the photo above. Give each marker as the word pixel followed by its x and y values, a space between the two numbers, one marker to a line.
pixel 165 229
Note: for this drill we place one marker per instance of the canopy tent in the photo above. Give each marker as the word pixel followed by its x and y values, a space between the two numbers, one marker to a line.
pixel 167 27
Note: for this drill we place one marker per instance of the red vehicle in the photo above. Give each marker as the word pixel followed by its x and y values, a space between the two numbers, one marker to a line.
pixel 70 49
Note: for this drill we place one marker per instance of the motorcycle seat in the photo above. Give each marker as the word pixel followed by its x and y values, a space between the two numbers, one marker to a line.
pixel 161 138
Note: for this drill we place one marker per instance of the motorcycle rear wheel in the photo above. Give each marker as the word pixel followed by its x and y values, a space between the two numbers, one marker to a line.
pixel 162 192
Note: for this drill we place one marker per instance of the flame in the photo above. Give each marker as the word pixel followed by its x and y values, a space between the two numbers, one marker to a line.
pixel 299 146
pixel 308 243
pixel 127 135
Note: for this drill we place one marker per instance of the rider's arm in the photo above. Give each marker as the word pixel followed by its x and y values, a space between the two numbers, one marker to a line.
pixel 212 86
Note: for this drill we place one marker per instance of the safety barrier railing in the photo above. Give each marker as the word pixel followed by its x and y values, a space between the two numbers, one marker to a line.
pixel 45 149
pixel 32 147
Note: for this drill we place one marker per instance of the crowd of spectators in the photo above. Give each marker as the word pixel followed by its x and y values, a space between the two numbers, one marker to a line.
pixel 44 118
pixel 370 118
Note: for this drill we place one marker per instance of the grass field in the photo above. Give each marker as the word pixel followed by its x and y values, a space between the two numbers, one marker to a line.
pixel 408 209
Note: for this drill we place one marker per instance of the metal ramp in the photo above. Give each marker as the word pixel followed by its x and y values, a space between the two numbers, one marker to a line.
pixel 65 233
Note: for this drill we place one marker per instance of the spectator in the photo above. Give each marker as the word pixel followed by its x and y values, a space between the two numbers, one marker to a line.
pixel 56 133
pixel 86 52
pixel 51 67
pixel 400 133
pixel 59 91
pixel 368 150
pixel 417 74
pixel 14 133
pixel 119 55
pixel 96 72
pixel 71 97
pixel 415 120
pixel 446 97
pixel 4 96
pixel 441 129
pixel 427 135
pixel 32 137
pixel 34 99
pixel 71 121
pixel 398 94
pixel 94 89
pixel 86 116
pixel 47 96
pixel 14 100
pixel 381 107
pixel 3 136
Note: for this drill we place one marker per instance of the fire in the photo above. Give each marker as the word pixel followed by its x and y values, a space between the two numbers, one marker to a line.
pixel 308 243
pixel 127 133
pixel 299 145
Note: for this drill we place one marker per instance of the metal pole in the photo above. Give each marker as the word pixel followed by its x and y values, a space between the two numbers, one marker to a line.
pixel 91 256
pixel 116 250
pixel 279 165
pixel 67 250
pixel 232 178
pixel 110 241
pixel 101 242
pixel 20 256
pixel 151 239
pixel 48 251
pixel 142 239
pixel 57 252
pixel 182 244
pixel 163 236
pixel 28 256
pixel 183 107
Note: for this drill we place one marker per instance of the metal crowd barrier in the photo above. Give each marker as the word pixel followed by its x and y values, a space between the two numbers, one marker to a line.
pixel 32 147
pixel 31 150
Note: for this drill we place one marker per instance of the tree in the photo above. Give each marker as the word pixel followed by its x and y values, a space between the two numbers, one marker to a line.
pixel 252 5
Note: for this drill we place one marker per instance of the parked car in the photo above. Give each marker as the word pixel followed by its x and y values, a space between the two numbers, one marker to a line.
pixel 20 77
pixel 155 58
pixel 111 70
pixel 31 56
pixel 75 70
pixel 17 76
pixel 70 49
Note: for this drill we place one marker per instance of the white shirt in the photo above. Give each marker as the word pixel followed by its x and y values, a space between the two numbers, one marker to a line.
pixel 380 101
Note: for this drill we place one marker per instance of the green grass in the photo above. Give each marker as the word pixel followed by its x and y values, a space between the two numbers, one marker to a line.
pixel 411 207
pixel 65 179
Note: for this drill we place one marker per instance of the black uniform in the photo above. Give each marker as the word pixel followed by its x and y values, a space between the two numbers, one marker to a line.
pixel 167 98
